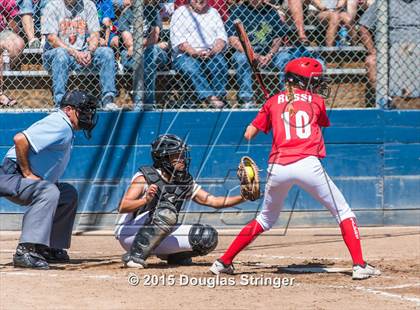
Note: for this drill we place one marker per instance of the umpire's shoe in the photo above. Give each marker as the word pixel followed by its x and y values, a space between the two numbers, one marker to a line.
pixel 52 255
pixel 26 256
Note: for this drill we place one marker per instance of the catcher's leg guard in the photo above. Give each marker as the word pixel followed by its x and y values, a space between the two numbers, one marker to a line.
pixel 203 240
pixel 149 236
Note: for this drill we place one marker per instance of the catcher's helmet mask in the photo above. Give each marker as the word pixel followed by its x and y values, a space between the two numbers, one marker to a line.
pixel 85 106
pixel 162 150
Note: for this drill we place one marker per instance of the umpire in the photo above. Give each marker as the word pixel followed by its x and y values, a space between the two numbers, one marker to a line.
pixel 29 177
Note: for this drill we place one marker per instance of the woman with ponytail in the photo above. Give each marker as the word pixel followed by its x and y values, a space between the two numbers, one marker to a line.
pixel 296 116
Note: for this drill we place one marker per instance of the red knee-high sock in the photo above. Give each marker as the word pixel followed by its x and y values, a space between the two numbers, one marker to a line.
pixel 245 237
pixel 351 237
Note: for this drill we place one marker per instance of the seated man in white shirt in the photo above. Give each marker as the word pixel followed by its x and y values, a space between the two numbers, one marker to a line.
pixel 198 38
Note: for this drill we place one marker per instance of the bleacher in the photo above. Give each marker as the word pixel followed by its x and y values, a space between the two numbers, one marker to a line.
pixel 344 66
pixel 328 53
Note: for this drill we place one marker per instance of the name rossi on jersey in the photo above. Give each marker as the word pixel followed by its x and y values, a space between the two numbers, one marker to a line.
pixel 296 97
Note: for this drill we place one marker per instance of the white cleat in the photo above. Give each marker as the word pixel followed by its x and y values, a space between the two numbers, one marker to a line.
pixel 218 267
pixel 133 264
pixel 133 261
pixel 360 272
pixel 111 107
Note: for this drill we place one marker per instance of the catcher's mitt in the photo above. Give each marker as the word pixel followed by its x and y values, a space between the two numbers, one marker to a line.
pixel 249 178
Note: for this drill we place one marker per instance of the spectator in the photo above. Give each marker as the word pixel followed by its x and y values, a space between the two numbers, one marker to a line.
pixel 367 23
pixel 166 11
pixel 279 9
pixel 27 10
pixel 403 50
pixel 9 40
pixel 72 30
pixel 107 18
pixel 353 6
pixel 8 13
pixel 6 101
pixel 11 45
pixel 126 30
pixel 219 5
pixel 155 51
pixel 334 13
pixel 266 33
pixel 198 39
pixel 121 4
pixel 296 10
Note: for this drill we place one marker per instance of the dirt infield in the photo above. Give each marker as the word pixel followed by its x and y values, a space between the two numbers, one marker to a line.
pixel 95 280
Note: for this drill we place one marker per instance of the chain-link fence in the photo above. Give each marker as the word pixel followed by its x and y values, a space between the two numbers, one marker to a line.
pixel 181 54
pixel 396 31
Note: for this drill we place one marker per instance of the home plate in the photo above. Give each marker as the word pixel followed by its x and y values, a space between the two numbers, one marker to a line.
pixel 313 269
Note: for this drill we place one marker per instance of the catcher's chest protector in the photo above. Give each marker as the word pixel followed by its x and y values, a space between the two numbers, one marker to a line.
pixel 174 193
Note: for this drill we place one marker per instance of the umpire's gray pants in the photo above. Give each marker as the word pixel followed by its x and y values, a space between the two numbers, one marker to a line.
pixel 51 209
pixel 50 214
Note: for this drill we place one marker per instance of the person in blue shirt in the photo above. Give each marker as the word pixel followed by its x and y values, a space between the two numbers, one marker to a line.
pixel 29 176
pixel 107 17
pixel 266 33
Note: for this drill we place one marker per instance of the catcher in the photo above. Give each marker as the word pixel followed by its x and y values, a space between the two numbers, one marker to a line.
pixel 151 205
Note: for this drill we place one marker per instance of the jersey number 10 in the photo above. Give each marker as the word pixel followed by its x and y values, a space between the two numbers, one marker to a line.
pixel 302 126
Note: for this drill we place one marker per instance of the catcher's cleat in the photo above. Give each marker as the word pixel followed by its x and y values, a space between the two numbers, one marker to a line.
pixel 185 261
pixel 27 257
pixel 131 261
pixel 52 255
pixel 180 258
pixel 218 267
pixel 363 272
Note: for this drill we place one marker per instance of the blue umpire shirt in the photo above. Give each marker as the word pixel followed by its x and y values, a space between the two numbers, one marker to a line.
pixel 51 141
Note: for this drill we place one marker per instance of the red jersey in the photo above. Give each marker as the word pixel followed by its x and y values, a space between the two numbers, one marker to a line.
pixel 294 136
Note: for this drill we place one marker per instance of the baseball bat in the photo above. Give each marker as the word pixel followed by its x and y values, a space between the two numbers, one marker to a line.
pixel 250 55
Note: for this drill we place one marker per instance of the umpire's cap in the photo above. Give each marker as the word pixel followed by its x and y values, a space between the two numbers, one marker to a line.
pixel 78 99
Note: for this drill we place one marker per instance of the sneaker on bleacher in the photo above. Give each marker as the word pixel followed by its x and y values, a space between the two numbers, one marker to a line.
pixel 109 105
pixel 34 43
pixel 247 103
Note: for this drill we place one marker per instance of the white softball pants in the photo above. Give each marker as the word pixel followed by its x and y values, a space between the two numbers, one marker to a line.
pixel 176 242
pixel 309 174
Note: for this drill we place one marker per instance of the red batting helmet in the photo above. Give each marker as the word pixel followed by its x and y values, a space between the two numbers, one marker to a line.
pixel 307 73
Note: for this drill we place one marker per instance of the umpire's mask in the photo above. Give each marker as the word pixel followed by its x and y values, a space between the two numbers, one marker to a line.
pixel 85 105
